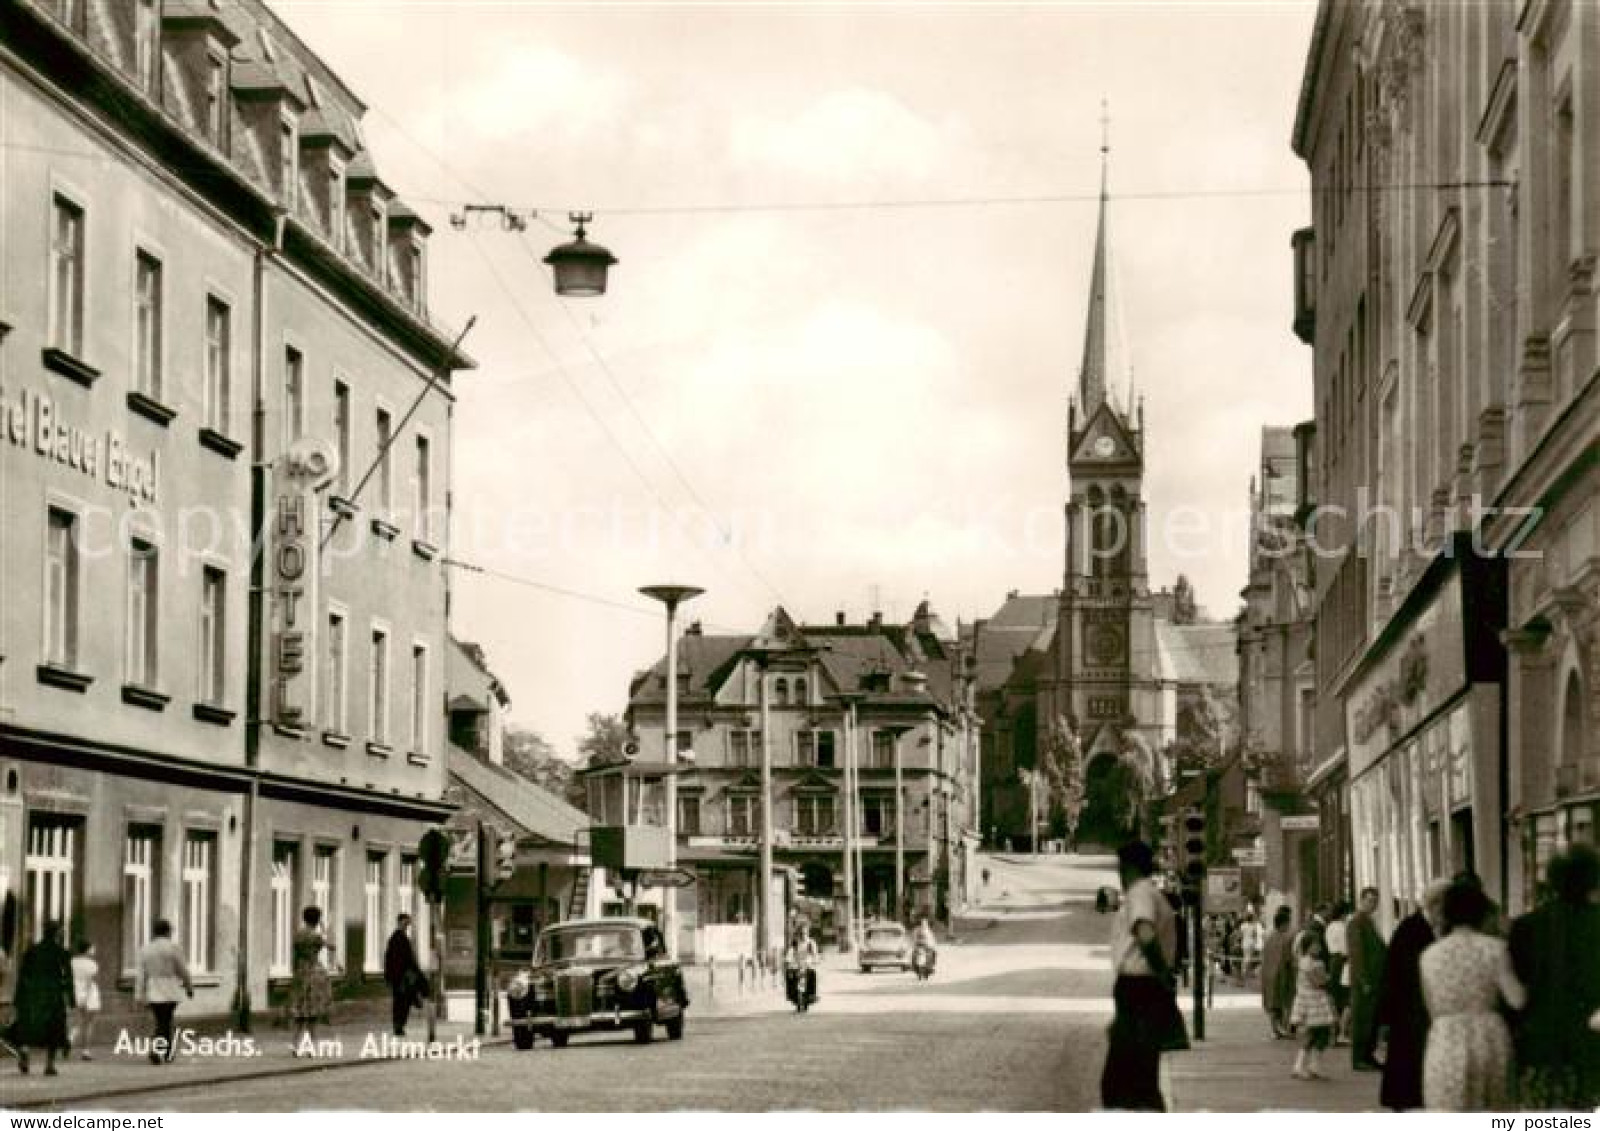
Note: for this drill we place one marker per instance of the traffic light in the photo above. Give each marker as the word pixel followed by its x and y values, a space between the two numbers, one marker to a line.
pixel 505 858
pixel 434 853
pixel 1194 843
pixel 799 884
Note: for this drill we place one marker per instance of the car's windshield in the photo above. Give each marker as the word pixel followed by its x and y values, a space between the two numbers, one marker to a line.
pixel 885 935
pixel 590 943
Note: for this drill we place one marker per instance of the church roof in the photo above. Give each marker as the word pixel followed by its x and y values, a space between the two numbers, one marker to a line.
pixel 1197 653
pixel 1025 621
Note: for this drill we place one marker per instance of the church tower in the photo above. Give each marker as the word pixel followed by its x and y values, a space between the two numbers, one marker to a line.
pixel 1104 670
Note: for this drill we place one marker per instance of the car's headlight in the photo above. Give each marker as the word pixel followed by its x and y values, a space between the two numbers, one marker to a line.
pixel 519 986
pixel 627 980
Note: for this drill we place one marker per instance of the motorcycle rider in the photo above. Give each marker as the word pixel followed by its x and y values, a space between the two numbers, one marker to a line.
pixel 800 965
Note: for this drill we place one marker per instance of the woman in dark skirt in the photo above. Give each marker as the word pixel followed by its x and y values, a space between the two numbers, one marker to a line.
pixel 44 999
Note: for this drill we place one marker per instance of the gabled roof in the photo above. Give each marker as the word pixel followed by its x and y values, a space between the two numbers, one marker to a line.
pixel 1024 622
pixel 531 807
pixel 1197 653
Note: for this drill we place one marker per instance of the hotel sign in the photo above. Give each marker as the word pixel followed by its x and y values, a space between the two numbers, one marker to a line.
pixel 35 422
pixel 293 571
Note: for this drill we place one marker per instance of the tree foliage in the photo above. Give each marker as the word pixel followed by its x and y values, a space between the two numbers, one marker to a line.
pixel 603 738
pixel 530 755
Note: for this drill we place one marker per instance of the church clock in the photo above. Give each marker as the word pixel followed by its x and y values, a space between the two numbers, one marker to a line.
pixel 1106 644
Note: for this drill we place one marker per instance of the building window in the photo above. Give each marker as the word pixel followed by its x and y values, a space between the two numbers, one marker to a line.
pixel 213 682
pixel 410 900
pixel 418 282
pixel 378 697
pixel 688 814
pixel 141 861
pixel 780 692
pixel 744 747
pixel 283 917
pixel 341 432
pixel 294 395
pixel 385 480
pixel 883 747
pixel 742 817
pixel 814 748
pixel 198 912
pixel 419 700
pixel 147 325
pixel 66 277
pixel 143 613
pixel 800 693
pixel 216 95
pixel 337 697
pixel 70 12
pixel 288 163
pixel 814 815
pixel 423 482
pixel 324 866
pixel 379 243
pixel 405 887
pixel 61 589
pixel 50 873
pixel 219 359
pixel 877 816
pixel 373 891
pixel 146 43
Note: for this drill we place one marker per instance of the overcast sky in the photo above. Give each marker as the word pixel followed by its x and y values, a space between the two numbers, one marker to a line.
pixel 814 405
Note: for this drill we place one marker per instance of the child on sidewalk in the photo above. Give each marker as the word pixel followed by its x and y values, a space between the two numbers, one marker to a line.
pixel 1313 1010
pixel 86 986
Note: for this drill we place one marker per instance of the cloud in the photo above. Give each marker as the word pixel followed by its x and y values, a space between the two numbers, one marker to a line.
pixel 844 137
pixel 528 91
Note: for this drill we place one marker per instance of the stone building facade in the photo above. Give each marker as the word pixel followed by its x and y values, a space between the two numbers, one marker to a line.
pixel 221 687
pixel 1447 290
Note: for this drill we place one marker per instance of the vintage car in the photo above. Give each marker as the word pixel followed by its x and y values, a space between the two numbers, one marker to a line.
pixel 592 975
pixel 885 944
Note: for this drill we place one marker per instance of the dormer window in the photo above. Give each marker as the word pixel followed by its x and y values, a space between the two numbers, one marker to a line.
pixel 415 277
pixel 380 229
pixel 70 12
pixel 336 204
pixel 215 98
pixel 288 162
pixel 146 43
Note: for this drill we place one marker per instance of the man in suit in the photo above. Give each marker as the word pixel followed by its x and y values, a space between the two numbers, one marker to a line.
pixel 407 982
pixel 1367 960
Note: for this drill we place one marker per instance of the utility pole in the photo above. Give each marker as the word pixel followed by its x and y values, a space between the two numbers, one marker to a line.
pixel 852 822
pixel 857 869
pixel 764 880
pixel 899 835
pixel 480 980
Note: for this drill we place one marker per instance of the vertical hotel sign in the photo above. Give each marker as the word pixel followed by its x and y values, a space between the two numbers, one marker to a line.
pixel 294 569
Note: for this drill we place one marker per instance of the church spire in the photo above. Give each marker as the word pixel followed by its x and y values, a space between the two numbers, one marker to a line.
pixel 1092 375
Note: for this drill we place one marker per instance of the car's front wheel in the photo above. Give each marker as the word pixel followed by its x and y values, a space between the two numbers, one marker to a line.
pixel 643 1032
pixel 675 1028
pixel 522 1037
pixel 559 1039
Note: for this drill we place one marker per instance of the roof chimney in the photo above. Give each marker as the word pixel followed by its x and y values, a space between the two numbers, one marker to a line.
pixel 876 620
pixel 838 618
pixel 694 629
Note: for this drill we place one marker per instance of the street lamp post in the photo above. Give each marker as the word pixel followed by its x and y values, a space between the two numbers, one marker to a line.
pixel 671 596
pixel 852 827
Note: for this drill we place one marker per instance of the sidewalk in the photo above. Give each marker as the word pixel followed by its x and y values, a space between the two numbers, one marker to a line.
pixel 1240 1067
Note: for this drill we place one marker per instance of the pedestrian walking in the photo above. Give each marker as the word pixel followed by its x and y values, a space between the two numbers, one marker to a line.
pixel 408 985
pixel 1466 979
pixel 86 989
pixel 310 994
pixel 1555 953
pixel 1401 1011
pixel 162 976
pixel 44 998
pixel 1278 973
pixel 1368 955
pixel 1146 1021
pixel 1250 941
pixel 1313 1012
pixel 1337 938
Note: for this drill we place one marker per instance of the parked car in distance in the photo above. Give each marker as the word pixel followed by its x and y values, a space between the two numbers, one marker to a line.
pixel 885 944
pixel 596 975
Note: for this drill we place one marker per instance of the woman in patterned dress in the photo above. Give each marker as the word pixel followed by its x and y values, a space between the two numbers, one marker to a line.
pixel 1313 1009
pixel 310 995
pixel 1465 976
